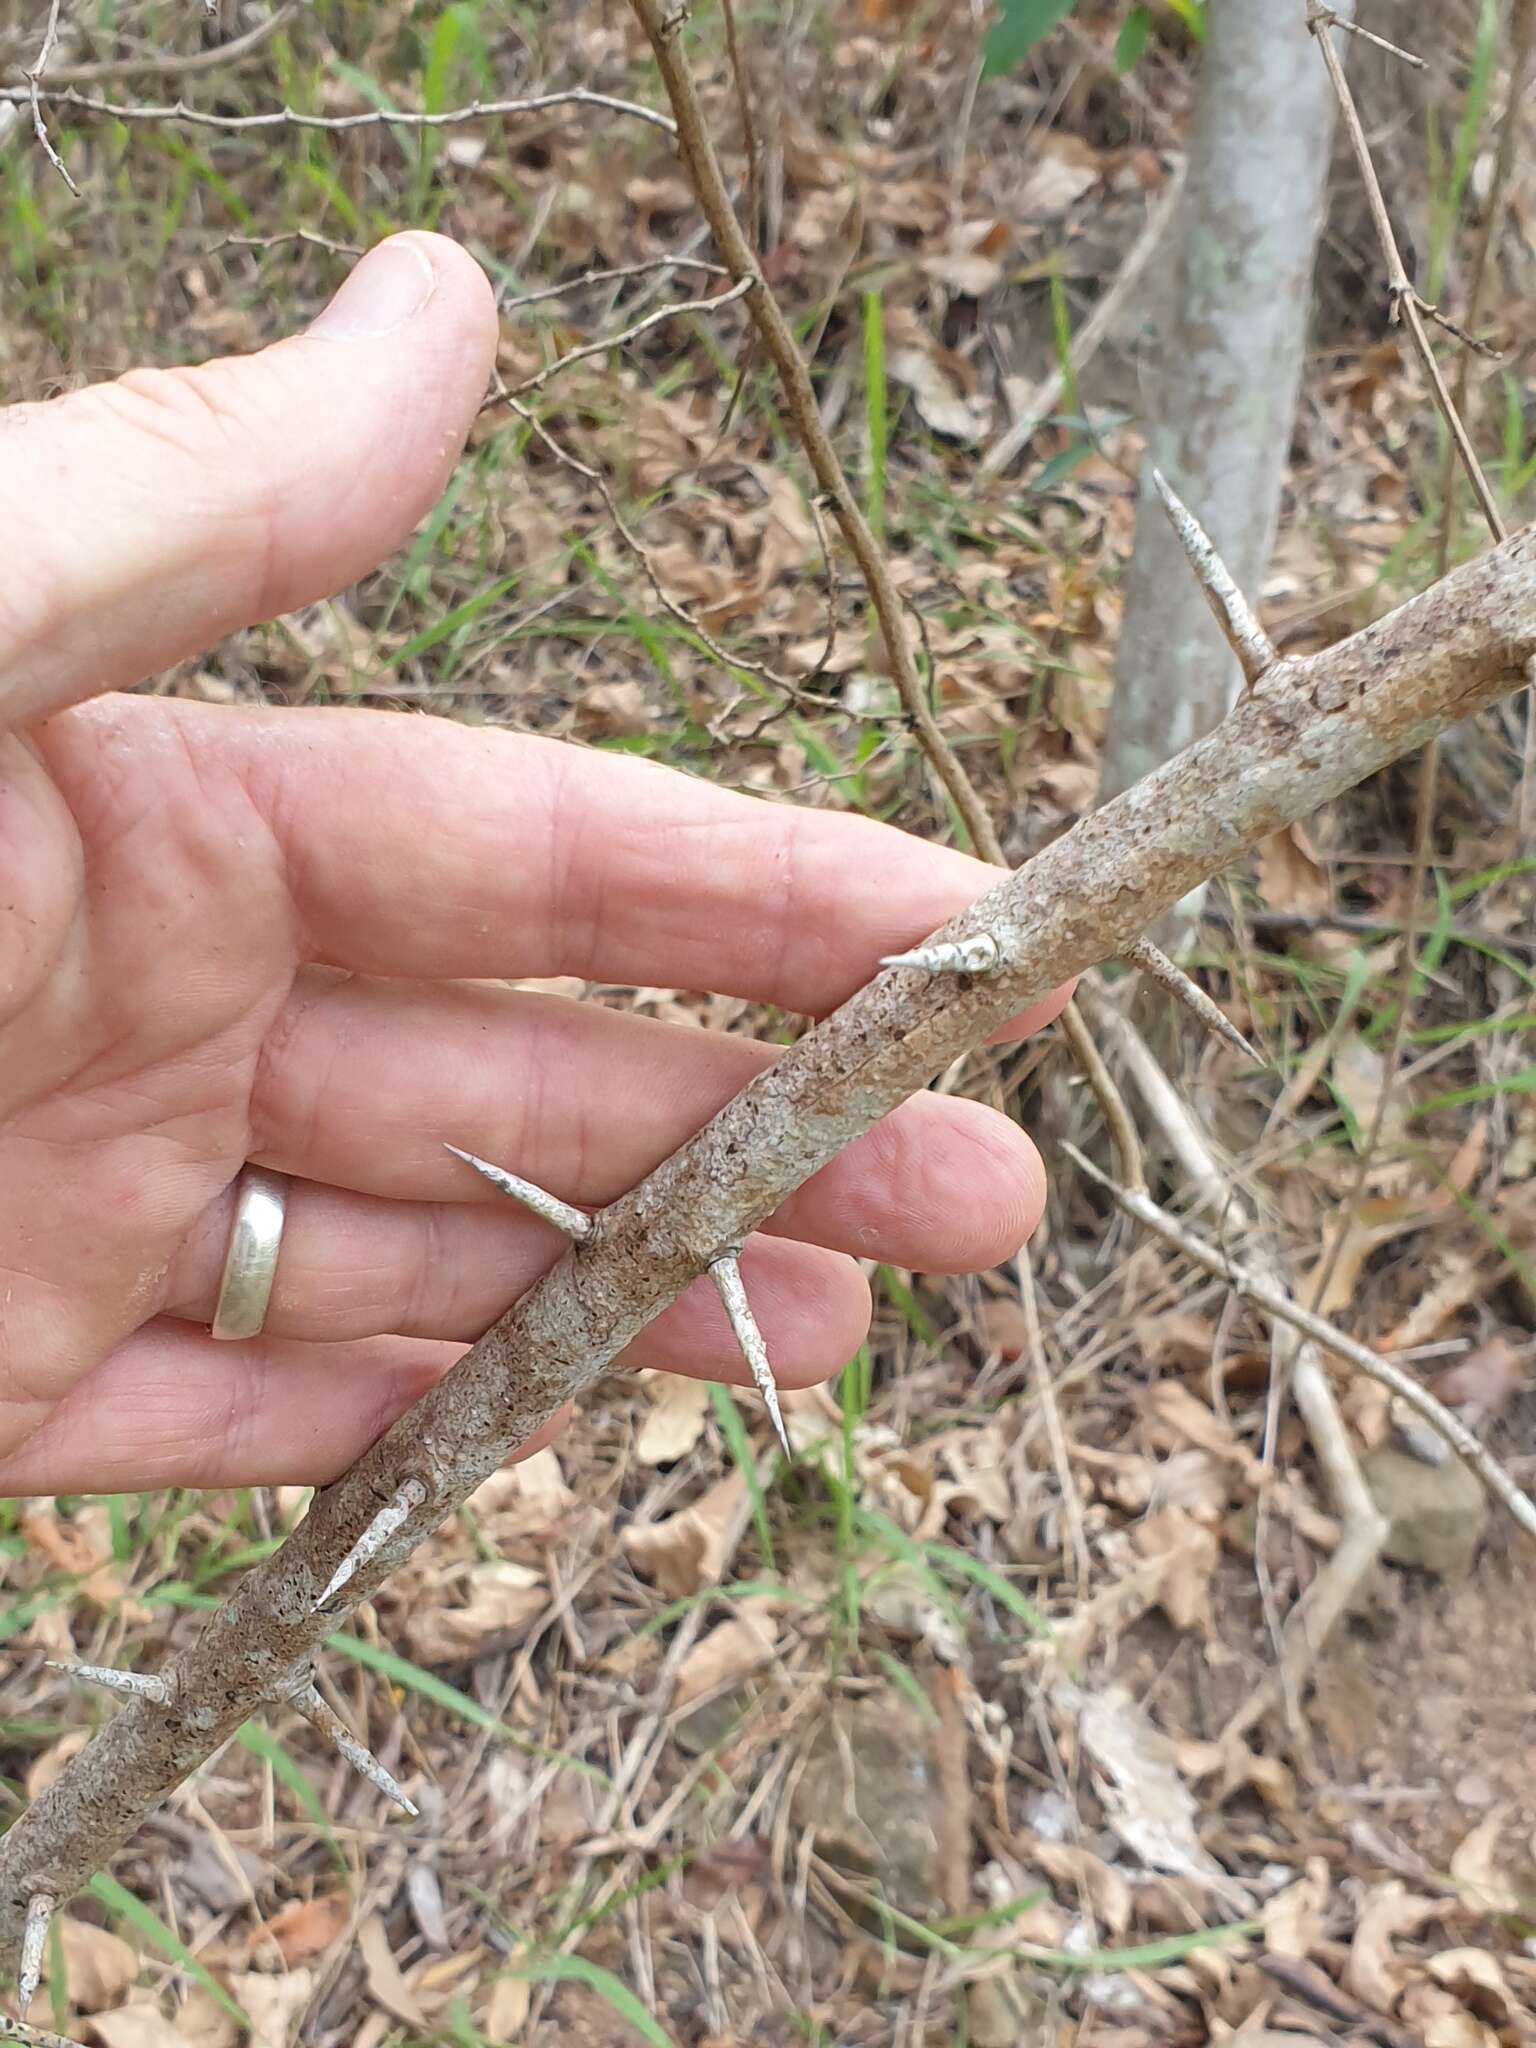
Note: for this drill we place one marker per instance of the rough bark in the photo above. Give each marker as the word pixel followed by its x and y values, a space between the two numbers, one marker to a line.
pixel 1226 366
pixel 1309 730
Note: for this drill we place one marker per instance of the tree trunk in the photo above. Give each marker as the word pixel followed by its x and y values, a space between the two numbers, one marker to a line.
pixel 1227 365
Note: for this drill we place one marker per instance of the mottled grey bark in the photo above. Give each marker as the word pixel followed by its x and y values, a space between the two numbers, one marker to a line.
pixel 1224 367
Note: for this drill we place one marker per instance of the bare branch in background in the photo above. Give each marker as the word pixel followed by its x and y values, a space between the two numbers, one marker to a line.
pixel 34 94
pixel 1264 1294
pixel 643 325
pixel 338 124
pixel 1406 304
pixel 161 66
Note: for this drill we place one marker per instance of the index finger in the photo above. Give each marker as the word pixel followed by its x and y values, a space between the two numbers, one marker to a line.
pixel 419 848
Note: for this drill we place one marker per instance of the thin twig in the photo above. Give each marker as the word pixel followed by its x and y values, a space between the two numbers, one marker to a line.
pixel 1050 1409
pixel 516 301
pixel 34 94
pixel 606 342
pixel 336 124
pixel 663 27
pixel 1089 338
pixel 674 608
pixel 161 66
pixel 1405 301
pixel 1522 42
pixel 1327 16
pixel 744 108
pixel 1264 1295
pixel 305 237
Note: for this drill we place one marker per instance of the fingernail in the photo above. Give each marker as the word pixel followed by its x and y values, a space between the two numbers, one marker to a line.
pixel 389 287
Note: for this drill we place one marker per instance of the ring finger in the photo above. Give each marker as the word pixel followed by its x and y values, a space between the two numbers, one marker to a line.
pixel 353 1266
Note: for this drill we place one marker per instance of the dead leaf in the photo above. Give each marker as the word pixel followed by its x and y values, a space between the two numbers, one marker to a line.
pixel 617 707
pixel 1481 1883
pixel 1004 1327
pixel 1374 1972
pixel 1293 1918
pixel 98 1967
pixel 691 1548
pixel 385 1979
pixel 676 1418
pixel 203 2022
pixel 727 1867
pixel 1290 877
pixel 968 273
pixel 1082 1875
pixel 1062 168
pixel 729 1651
pixel 1148 1804
pixel 940 401
pixel 496 1602
pixel 303 1929
pixel 530 1497
pixel 1479 1386
pixel 274 2003
pixel 1358 1075
pixel 1188 1552
pixel 80 1546
pixel 135 2026
pixel 508 2009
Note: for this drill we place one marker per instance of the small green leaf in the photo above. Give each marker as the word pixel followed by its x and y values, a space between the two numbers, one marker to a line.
pixel 1019 26
pixel 1132 39
pixel 1192 14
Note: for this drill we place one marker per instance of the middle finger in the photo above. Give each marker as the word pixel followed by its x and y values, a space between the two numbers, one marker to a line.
pixel 361 1083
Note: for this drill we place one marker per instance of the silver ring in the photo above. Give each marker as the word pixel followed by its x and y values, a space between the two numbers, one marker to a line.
pixel 250 1264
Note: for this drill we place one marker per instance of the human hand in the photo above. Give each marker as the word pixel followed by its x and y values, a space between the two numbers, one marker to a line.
pixel 232 934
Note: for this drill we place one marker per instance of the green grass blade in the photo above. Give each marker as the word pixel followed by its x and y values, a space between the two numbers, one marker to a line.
pixel 117 1899
pixel 291 1773
pixel 401 1671
pixel 577 1970
pixel 734 1430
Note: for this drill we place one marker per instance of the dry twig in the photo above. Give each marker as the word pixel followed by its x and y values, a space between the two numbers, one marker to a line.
pixel 1275 1302
pixel 160 66
pixel 337 124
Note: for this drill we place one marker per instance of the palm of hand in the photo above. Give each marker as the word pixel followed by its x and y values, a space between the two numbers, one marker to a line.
pixel 282 935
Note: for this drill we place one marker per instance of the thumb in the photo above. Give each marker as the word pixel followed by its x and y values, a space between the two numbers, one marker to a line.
pixel 145 519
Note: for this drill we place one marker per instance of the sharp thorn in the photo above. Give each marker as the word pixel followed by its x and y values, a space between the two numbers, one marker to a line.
pixel 143 1685
pixel 34 1939
pixel 726 1274
pixel 574 1222
pixel 1143 954
pixel 1240 628
pixel 980 955
pixel 362 1759
pixel 391 1517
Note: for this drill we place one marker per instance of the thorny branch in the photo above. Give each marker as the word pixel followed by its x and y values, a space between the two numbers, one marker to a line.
pixel 1313 727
